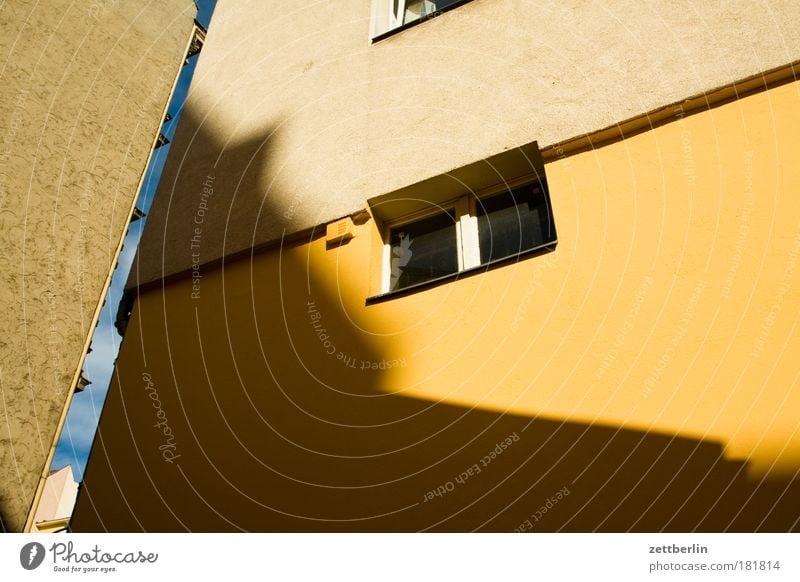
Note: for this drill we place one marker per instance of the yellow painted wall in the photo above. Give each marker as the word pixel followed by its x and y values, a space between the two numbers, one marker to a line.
pixel 645 372
pixel 670 303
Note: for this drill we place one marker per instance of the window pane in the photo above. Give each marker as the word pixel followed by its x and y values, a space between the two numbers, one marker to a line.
pixel 423 250
pixel 512 222
pixel 416 9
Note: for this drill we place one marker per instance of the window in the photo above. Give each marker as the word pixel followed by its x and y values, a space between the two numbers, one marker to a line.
pixel 389 15
pixel 512 222
pixel 434 253
pixel 468 232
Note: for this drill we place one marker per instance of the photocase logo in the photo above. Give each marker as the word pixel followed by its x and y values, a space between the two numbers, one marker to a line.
pixel 31 555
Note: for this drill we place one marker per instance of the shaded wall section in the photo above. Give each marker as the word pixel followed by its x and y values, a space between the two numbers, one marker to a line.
pixel 84 85
pixel 637 378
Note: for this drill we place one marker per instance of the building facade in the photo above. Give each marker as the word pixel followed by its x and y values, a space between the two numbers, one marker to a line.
pixel 56 503
pixel 492 265
pixel 84 88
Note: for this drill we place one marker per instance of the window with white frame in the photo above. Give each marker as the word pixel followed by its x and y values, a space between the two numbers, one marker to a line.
pixel 388 15
pixel 466 233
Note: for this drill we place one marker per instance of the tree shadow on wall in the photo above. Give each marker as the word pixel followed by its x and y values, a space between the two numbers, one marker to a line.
pixel 257 369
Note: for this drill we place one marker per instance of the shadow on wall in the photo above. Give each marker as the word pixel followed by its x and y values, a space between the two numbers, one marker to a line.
pixel 249 399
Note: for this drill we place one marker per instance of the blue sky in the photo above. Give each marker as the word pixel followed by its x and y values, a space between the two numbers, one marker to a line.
pixel 76 439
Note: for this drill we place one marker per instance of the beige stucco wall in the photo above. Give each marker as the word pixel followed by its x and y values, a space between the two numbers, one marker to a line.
pixel 292 107
pixel 83 86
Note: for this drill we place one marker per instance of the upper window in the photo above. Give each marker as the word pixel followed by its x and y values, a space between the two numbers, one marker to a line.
pixel 469 232
pixel 388 15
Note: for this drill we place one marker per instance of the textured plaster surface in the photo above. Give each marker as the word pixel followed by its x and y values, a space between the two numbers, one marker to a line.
pixel 83 85
pixel 301 119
